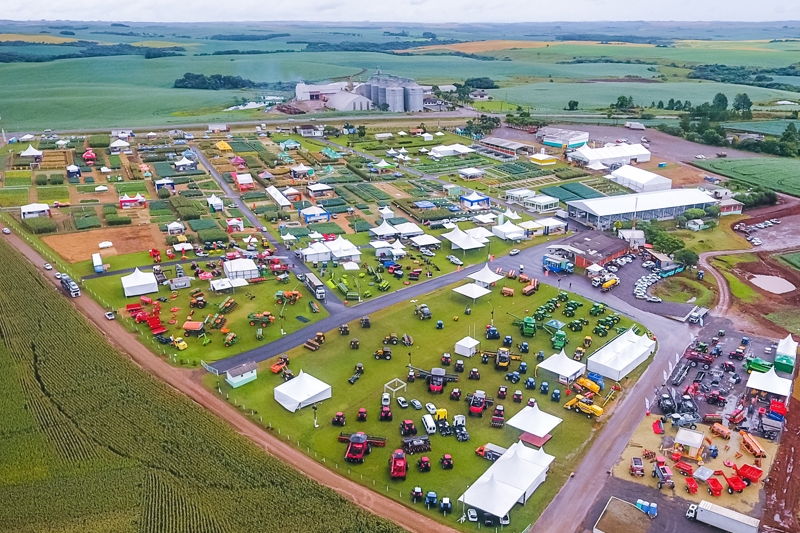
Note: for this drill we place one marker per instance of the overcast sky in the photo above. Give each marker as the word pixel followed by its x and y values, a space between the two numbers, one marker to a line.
pixel 433 11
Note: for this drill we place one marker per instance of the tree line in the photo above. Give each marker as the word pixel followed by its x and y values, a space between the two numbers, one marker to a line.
pixel 218 82
pixel 85 49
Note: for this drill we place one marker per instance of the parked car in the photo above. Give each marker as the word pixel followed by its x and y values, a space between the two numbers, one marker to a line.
pixel 430 408
pixel 402 402
pixel 640 296
pixel 386 399
pixel 416 404
pixel 48 266
pixel 699 156
pixel 472 515
pixel 654 299
pixel 648 264
pixel 612 268
pixel 426 252
pixel 513 252
pixel 6 231
pixel 775 221
pixel 57 275
pixel 109 315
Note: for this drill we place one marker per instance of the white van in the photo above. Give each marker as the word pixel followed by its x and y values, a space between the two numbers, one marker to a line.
pixel 429 425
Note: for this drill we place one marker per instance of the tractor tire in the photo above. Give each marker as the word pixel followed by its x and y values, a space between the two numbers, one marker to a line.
pixel 394 342
pixel 705 367
pixel 388 357
pixel 739 491
pixel 730 490
pixel 385 341
pixel 252 322
pixel 693 363
pixel 746 481
pixel 377 357
pixel 344 423
pixel 660 484
pixel 654 473
pixel 687 488
pixel 693 426
pixel 709 491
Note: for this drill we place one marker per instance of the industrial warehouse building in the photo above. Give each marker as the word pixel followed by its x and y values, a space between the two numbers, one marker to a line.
pixel 561 138
pixel 588 248
pixel 601 213
pixel 639 180
pixel 506 147
pixel 611 155
pixel 305 92
pixel 346 101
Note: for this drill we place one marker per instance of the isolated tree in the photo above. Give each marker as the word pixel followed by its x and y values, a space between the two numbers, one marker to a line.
pixel 362 131
pixel 713 211
pixel 790 134
pixel 384 107
pixel 668 244
pixel 572 105
pixel 686 256
pixel 681 221
pixel 720 101
pixel 163 193
pixel 660 104
pixel 741 102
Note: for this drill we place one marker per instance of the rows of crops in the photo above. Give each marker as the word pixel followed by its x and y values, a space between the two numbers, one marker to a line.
pixel 91 439
pixel 579 189
pixel 562 194
pixel 779 174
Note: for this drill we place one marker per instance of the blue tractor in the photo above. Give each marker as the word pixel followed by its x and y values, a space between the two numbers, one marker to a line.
pixel 431 499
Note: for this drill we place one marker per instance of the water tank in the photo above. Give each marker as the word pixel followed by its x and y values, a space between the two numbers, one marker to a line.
pixel 413 97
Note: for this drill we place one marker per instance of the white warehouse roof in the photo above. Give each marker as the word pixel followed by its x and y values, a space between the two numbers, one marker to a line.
pixel 638 179
pixel 613 151
pixel 646 201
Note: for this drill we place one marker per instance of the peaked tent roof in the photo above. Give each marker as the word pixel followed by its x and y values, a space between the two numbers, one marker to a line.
pixel 770 382
pixel 391 151
pixel 787 346
pixel 485 275
pixel 511 215
pixel 301 391
pixel 562 365
pixel 461 240
pixel 472 290
pixel 119 143
pixel 184 161
pixel 540 457
pixel 425 240
pixel 491 495
pixel 383 164
pixel 301 168
pixel 407 228
pixel 475 196
pixel 30 151
pixel 534 421
pixel 384 230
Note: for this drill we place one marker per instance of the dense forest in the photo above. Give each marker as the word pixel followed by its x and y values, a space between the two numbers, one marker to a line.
pixel 755 76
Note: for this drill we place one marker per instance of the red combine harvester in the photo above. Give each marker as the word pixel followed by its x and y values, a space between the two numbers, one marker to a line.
pixel 398 467
pixel 478 403
pixel 360 445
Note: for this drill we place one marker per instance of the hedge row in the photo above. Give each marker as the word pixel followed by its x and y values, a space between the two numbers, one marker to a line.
pixel 207 235
pixel 116 220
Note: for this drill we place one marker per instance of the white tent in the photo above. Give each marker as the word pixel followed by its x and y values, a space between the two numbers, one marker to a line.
pixel 316 252
pixel 288 237
pixel 384 230
pixel 241 268
pixel 105 170
pixel 119 143
pixel 391 151
pixel 408 229
pixel 467 346
pixel 770 382
pixel 315 235
pixel 351 266
pixel 101 188
pixel 511 215
pixel 300 168
pixel 184 162
pixel 514 469
pixel 277 196
pixel 27 137
pixel 460 240
pixel 105 244
pixel 214 202
pixel 425 240
pixel 397 245
pixel 565 368
pixel 402 151
pixel 472 290
pixel 787 346
pixel 342 250
pixel 139 283
pixel 386 212
pixel 484 218
pixel 540 457
pixel 439 134
pixel 402 133
pixel 621 356
pixel 182 246
pixel 491 495
pixel 534 421
pixel 594 268
pixel 485 276
pixel 30 151
pixel 223 284
pixel 480 234
pixel 383 164
pixel 508 230
pixel 73 168
pixel 380 244
pixel 302 391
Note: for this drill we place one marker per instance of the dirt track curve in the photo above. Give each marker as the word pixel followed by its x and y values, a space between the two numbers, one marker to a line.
pixel 187 382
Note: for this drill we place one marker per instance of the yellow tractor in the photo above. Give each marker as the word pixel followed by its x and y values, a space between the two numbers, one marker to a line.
pixel 587 341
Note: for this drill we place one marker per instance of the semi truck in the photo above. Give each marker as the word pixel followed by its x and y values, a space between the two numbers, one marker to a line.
pixel 723 518
pixel 315 286
pixel 70 286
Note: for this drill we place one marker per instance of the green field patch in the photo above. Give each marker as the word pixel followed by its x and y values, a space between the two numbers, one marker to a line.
pixel 682 289
pixel 779 174
pixel 52 194
pixel 131 187
pixel 792 260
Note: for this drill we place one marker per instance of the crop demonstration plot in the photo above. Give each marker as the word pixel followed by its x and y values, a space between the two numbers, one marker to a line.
pixel 774 173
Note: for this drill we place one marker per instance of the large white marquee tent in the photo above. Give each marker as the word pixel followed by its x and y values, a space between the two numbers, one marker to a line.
pixel 460 240
pixel 564 367
pixel 472 290
pixel 485 276
pixel 302 391
pixel 619 357
pixel 770 382
pixel 241 268
pixel 534 421
pixel 138 283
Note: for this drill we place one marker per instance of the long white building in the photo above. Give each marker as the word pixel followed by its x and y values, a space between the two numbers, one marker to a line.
pixel 610 155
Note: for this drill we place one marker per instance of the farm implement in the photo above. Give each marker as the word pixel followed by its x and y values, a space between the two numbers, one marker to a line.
pixel 412 445
pixel 261 319
pixel 502 358
pixel 436 378
pixel 359 445
pixel 315 343
pixel 289 297
pixel 527 325
pixel 228 305
pixel 735 483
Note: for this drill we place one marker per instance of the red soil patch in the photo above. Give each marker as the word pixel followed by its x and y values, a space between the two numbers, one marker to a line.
pixel 77 247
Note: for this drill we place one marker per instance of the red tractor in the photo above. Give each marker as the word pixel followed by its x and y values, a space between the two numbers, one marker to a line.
pixel 502 392
pixel 416 494
pixel 459 366
pixel 446 461
pixel 478 403
pixel 474 374
pixel 398 467
pixel 359 445
pixel 362 415
pixel 446 359
pixel 386 414
pixel 455 394
pixel 424 464
pixel 339 419
pixel 408 428
pixel 155 255
pixel 517 396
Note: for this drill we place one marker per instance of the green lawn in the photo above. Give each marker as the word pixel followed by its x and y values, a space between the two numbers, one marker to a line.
pixel 17 182
pixel 775 173
pixel 792 260
pixel 108 291
pixel 131 187
pixel 739 288
pixel 13 197
pixel 682 288
pixel 52 194
pixel 720 238
pixel 334 364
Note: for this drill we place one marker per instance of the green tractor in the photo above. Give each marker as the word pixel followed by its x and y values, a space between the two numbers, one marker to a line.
pixel 600 330
pixel 615 318
pixel 571 307
pixel 562 296
pixel 559 340
pixel 577 324
pixel 541 314
pixel 756 364
pixel 597 309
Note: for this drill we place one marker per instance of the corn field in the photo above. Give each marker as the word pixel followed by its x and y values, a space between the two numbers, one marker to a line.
pixel 92 443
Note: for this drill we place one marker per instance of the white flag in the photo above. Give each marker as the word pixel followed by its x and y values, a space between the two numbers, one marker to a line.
pixel 677 358
pixel 665 375
pixel 647 404
pixel 671 368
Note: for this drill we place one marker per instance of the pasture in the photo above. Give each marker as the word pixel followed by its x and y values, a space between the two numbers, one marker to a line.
pixel 779 174
pixel 334 363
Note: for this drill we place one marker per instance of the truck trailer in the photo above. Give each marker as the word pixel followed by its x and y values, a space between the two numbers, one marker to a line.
pixel 725 519
pixel 315 286
pixel 70 286
pixel 554 263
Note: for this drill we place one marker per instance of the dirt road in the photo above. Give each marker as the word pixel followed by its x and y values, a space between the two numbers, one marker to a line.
pixel 188 383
